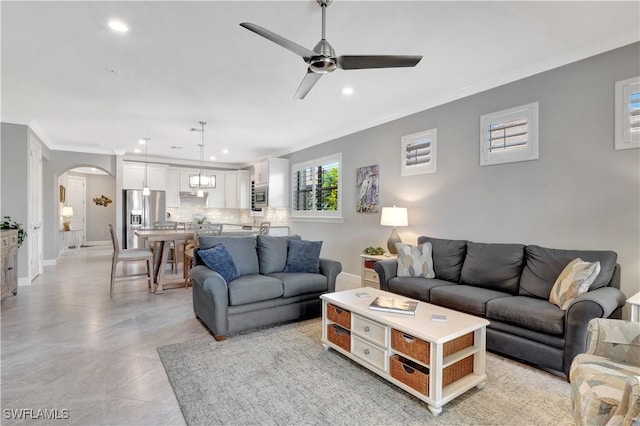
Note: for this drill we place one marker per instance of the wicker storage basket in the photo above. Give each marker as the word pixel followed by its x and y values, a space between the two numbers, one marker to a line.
pixel 411 374
pixel 457 371
pixel 419 349
pixel 339 336
pixel 409 345
pixel 339 316
pixel 371 264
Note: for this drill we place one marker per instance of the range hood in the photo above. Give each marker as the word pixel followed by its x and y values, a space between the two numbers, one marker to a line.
pixel 186 194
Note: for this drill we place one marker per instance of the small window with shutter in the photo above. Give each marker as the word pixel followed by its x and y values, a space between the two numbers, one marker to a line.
pixel 316 186
pixel 509 136
pixel 627 113
pixel 418 153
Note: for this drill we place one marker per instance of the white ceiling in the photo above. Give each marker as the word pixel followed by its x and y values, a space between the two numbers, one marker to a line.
pixel 85 88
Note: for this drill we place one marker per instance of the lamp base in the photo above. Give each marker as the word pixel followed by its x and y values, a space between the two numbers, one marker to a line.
pixel 393 239
pixel 66 226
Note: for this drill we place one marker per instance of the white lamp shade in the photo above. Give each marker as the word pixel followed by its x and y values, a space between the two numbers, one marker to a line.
pixel 394 216
pixel 67 211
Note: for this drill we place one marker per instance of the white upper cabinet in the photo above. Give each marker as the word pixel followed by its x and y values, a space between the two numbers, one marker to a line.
pixel 278 195
pixel 217 194
pixel 243 190
pixel 261 172
pixel 173 188
pixel 133 176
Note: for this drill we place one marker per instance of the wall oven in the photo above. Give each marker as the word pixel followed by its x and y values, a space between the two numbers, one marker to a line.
pixel 259 197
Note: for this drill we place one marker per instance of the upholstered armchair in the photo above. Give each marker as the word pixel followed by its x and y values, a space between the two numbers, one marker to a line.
pixel 605 381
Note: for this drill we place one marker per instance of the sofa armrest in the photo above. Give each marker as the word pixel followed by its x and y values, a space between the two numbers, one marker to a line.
pixel 330 269
pixel 599 303
pixel 210 299
pixel 386 269
pixel 615 339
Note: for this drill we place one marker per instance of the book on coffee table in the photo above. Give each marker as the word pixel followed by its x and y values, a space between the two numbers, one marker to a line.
pixel 390 304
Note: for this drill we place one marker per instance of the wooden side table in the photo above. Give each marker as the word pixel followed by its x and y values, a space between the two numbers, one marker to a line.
pixel 368 275
pixel 634 302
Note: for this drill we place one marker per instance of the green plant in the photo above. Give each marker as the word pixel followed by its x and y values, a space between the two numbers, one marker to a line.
pixel 374 250
pixel 8 223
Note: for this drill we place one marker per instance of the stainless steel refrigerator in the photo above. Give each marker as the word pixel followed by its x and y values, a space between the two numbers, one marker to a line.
pixel 141 212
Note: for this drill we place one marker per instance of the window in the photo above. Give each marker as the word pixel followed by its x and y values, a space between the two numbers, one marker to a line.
pixel 317 186
pixel 509 136
pixel 627 114
pixel 418 153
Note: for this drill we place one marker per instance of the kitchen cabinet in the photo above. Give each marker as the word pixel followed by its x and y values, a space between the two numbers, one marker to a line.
pixel 173 188
pixel 133 176
pixel 230 190
pixel 278 182
pixel 216 197
pixel 243 189
pixel 261 172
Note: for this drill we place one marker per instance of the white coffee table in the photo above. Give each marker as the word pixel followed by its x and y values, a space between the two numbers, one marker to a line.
pixel 369 342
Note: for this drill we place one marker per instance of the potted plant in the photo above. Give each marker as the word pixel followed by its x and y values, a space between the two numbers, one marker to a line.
pixel 8 223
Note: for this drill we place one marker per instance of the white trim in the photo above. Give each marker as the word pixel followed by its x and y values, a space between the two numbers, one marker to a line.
pixel 526 152
pixel 625 138
pixel 347 281
pixel 327 216
pixel 49 262
pixel 318 219
pixel 24 281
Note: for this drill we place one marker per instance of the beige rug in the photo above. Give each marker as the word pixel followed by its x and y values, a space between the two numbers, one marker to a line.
pixel 283 376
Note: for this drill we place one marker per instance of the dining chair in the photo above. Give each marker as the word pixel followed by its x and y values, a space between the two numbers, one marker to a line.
pixel 173 255
pixel 264 228
pixel 128 255
pixel 208 229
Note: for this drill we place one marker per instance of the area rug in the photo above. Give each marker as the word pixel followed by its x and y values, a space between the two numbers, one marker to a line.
pixel 283 376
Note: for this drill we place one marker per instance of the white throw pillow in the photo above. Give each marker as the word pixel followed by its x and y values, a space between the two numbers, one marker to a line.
pixel 574 280
pixel 415 261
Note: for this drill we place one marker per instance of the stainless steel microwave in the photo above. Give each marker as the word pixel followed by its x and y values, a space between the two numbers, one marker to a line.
pixel 260 197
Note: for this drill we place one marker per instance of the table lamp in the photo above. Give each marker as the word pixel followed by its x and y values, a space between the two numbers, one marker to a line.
pixel 67 212
pixel 394 216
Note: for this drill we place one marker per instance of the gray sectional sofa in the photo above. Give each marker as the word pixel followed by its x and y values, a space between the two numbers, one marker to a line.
pixel 263 294
pixel 509 285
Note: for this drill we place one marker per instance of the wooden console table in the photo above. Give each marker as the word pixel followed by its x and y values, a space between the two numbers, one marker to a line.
pixel 9 281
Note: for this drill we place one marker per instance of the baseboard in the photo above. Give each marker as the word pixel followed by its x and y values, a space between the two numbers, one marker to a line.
pixel 96 243
pixel 346 281
pixel 23 281
pixel 49 262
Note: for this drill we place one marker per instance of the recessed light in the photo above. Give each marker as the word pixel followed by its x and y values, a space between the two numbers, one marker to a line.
pixel 137 151
pixel 212 158
pixel 347 91
pixel 118 26
pixel 142 141
pixel 225 151
pixel 175 147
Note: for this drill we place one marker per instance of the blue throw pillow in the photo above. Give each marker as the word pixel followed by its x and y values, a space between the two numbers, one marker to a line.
pixel 303 256
pixel 218 259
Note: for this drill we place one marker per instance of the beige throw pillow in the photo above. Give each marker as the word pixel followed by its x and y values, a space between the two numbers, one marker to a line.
pixel 415 261
pixel 573 281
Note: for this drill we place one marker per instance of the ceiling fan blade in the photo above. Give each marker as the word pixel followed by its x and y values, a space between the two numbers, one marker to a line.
pixel 356 62
pixel 277 39
pixel 309 80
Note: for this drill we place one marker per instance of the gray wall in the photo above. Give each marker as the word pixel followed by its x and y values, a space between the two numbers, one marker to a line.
pixel 580 194
pixel 14 143
pixel 99 217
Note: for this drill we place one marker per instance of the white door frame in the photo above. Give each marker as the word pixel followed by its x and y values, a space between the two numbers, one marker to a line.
pixel 34 215
pixel 83 199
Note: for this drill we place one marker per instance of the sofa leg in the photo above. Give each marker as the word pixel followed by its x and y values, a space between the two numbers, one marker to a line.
pixel 220 338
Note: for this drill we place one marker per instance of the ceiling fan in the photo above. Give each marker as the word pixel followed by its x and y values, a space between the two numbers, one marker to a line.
pixel 322 59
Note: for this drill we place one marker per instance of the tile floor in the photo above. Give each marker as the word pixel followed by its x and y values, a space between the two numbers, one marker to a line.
pixel 66 345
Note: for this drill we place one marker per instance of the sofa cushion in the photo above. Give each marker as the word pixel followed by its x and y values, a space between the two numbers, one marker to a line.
pixel 448 257
pixel 543 265
pixel 241 248
pixel 464 298
pixel 415 288
pixel 272 252
pixel 415 261
pixel 528 312
pixel 218 259
pixel 303 256
pixel 493 266
pixel 573 281
pixel 297 283
pixel 254 288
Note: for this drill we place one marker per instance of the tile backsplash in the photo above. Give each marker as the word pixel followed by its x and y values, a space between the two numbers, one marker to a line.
pixel 193 207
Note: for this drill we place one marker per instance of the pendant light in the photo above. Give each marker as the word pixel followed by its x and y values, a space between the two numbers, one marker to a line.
pixel 145 186
pixel 200 192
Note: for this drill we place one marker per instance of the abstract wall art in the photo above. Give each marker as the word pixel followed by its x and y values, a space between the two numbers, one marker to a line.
pixel 367 191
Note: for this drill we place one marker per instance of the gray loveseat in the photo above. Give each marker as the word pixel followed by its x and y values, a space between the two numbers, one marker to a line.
pixel 263 294
pixel 509 285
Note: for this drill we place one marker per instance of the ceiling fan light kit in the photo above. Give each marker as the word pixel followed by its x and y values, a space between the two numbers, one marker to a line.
pixel 322 59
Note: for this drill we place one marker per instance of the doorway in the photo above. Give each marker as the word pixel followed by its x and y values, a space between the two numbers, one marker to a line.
pixel 75 198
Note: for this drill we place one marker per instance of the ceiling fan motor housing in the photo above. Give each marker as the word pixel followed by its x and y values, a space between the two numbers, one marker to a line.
pixel 325 62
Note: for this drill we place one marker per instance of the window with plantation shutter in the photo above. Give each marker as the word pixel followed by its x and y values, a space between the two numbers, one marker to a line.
pixel 627 113
pixel 316 186
pixel 509 136
pixel 418 153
